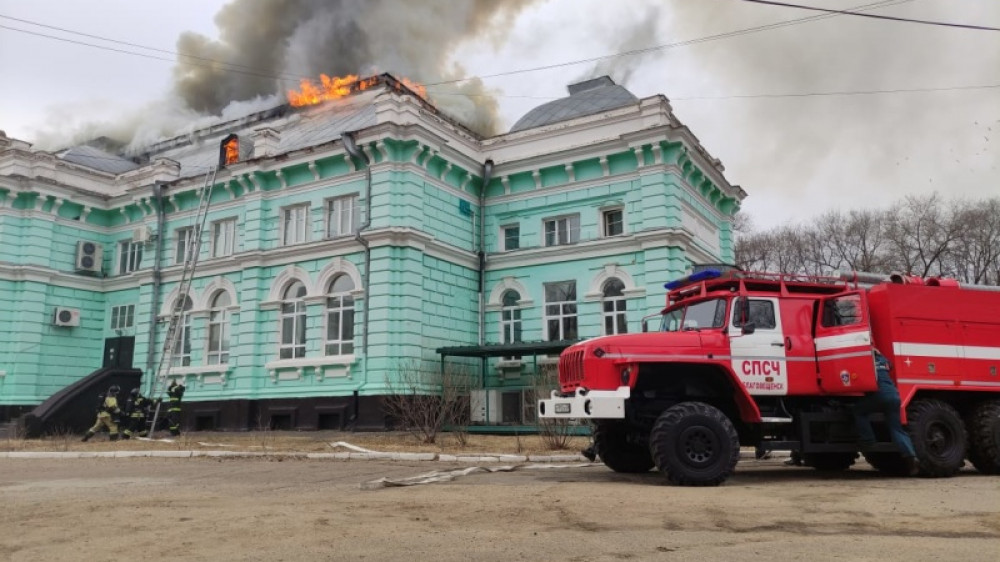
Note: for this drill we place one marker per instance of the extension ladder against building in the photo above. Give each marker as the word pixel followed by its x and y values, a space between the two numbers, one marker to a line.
pixel 176 319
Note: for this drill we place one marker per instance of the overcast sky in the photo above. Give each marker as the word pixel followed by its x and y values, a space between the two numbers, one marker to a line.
pixel 796 156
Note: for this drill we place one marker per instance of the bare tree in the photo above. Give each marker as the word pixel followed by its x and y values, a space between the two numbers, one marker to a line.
pixel 920 233
pixel 974 256
pixel 556 433
pixel 424 400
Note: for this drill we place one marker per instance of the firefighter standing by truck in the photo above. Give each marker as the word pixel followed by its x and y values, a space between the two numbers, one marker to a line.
pixel 174 393
pixel 886 401
pixel 136 409
pixel 107 414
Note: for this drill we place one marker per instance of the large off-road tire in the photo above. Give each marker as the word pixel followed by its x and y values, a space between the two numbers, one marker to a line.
pixel 829 462
pixel 938 436
pixel 615 451
pixel 891 464
pixel 694 444
pixel 983 425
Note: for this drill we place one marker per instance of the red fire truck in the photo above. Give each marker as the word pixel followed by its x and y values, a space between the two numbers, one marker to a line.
pixel 775 361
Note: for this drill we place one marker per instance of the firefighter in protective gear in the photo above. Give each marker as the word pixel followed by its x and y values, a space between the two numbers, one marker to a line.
pixel 107 415
pixel 174 393
pixel 136 410
pixel 885 400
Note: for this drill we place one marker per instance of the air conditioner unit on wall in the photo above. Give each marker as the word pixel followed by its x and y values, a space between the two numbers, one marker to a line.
pixel 142 234
pixel 485 406
pixel 89 256
pixel 66 316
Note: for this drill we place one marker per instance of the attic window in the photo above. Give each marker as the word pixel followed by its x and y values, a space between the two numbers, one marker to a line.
pixel 229 150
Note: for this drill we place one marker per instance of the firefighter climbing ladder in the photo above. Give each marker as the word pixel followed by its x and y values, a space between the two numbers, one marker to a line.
pixel 176 320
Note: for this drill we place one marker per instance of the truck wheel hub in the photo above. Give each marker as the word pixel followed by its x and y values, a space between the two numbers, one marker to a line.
pixel 698 445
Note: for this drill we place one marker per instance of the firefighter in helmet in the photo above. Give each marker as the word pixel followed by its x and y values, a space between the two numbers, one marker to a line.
pixel 136 409
pixel 107 414
pixel 174 393
pixel 885 400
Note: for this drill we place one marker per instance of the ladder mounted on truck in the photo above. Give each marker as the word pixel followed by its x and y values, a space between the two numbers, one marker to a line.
pixel 176 319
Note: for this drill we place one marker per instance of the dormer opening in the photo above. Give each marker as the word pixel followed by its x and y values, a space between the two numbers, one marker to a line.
pixel 229 150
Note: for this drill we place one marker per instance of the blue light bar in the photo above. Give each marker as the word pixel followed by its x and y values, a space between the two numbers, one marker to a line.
pixel 693 278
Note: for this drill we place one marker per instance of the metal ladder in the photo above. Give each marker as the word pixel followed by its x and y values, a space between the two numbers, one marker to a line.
pixel 175 325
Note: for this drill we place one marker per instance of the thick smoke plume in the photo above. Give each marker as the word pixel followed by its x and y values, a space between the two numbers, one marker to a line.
pixel 799 155
pixel 269 45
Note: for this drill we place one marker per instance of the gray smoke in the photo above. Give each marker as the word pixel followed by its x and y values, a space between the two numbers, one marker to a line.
pixel 269 45
pixel 811 153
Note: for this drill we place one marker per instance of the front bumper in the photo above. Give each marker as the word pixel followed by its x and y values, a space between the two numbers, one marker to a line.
pixel 592 404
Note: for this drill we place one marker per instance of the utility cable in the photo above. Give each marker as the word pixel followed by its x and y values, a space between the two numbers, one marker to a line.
pixel 875 16
pixel 242 69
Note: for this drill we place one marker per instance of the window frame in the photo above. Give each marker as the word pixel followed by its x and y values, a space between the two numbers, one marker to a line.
pixel 504 229
pixel 737 322
pixel 299 317
pixel 328 215
pixel 570 230
pixel 183 252
pixel 615 315
pixel 182 347
pixel 305 229
pixel 220 318
pixel 605 221
pixel 129 256
pixel 122 316
pixel 343 340
pixel 564 317
pixel 230 243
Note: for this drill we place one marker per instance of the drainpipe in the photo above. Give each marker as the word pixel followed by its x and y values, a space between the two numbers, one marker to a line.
pixel 487 175
pixel 356 152
pixel 154 305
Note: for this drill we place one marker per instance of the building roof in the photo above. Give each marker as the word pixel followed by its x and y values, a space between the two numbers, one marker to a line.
pixel 97 159
pixel 296 129
pixel 585 98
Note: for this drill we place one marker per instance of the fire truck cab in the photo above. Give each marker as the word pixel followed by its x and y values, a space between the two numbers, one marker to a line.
pixel 775 361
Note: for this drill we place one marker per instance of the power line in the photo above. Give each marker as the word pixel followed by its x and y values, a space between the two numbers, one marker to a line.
pixel 242 69
pixel 874 16
pixel 725 35
pixel 127 52
pixel 128 44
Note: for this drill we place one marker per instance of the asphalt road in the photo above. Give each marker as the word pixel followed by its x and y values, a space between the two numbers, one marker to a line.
pixel 261 509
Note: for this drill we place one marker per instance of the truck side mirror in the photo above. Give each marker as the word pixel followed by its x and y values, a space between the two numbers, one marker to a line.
pixel 748 328
pixel 645 326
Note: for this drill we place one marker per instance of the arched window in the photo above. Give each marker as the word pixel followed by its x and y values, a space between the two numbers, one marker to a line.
pixel 613 303
pixel 293 322
pixel 510 318
pixel 510 321
pixel 340 317
pixel 182 346
pixel 218 330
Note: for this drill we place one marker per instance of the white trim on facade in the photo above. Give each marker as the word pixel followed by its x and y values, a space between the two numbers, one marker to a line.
pixel 494 303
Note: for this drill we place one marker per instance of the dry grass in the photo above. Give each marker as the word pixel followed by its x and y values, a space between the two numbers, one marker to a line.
pixel 311 441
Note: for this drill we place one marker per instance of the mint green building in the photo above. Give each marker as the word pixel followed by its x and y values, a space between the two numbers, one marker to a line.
pixel 314 289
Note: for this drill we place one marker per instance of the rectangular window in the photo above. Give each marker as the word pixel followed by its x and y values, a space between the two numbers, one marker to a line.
pixel 218 337
pixel 562 230
pixel 560 311
pixel 342 216
pixel 613 222
pixel 615 321
pixel 129 256
pixel 295 224
pixel 761 313
pixel 122 316
pixel 511 237
pixel 183 244
pixel 223 238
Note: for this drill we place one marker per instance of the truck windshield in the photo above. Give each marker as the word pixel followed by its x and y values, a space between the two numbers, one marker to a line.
pixel 700 315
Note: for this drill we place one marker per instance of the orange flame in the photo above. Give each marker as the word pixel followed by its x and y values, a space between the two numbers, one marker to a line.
pixel 336 87
pixel 232 151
